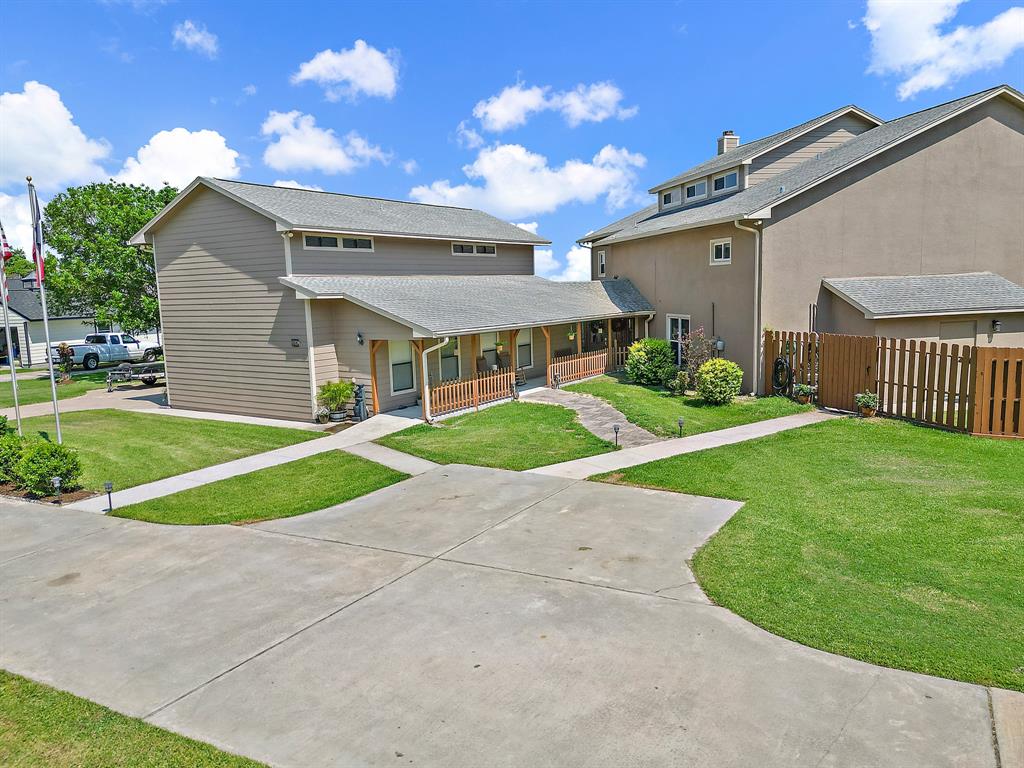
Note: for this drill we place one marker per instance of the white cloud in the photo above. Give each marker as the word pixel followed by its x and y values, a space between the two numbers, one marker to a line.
pixel 410 167
pixel 516 182
pixel 515 104
pixel 177 156
pixel 467 137
pixel 301 145
pixel 249 90
pixel 361 69
pixel 17 221
pixel 574 266
pixel 906 40
pixel 40 139
pixel 196 38
pixel 529 226
pixel 293 184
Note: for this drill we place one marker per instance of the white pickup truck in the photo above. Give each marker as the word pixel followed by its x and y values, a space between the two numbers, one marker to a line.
pixel 110 348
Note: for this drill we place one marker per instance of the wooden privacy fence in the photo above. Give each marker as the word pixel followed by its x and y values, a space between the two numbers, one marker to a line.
pixel 579 366
pixel 477 390
pixel 959 387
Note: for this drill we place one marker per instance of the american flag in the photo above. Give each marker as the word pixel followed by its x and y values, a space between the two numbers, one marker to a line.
pixel 37 232
pixel 7 254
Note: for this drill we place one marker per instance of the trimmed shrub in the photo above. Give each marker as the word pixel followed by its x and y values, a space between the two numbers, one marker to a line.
pixel 11 448
pixel 42 461
pixel 650 361
pixel 719 381
pixel 3 425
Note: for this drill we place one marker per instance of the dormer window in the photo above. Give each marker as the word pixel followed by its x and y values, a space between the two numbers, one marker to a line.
pixel 666 199
pixel 725 182
pixel 695 191
pixel 466 249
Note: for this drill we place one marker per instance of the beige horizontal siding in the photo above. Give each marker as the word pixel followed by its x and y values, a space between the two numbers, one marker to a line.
pixel 227 321
pixel 810 145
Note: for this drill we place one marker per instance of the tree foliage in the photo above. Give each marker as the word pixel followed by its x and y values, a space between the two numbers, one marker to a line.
pixel 96 271
pixel 19 265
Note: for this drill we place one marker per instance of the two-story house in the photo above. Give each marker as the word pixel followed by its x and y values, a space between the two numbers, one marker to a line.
pixel 268 292
pixel 912 227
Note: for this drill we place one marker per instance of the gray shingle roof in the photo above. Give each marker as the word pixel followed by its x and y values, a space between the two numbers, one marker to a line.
pixel 27 303
pixel 748 201
pixel 929 294
pixel 451 305
pixel 752 149
pixel 310 209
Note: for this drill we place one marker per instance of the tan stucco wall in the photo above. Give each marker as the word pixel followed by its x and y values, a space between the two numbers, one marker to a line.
pixel 949 200
pixel 674 273
pixel 1011 333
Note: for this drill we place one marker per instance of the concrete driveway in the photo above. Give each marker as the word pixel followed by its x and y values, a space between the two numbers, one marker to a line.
pixel 466 617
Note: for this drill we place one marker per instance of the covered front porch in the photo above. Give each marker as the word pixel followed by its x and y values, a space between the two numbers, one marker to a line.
pixel 456 343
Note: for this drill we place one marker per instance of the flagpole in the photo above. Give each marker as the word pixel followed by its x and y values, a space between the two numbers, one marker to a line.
pixel 10 349
pixel 37 250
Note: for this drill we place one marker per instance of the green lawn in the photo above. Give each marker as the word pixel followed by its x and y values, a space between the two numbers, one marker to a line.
pixel 658 411
pixel 510 436
pixel 38 390
pixel 300 486
pixel 41 727
pixel 876 539
pixel 133 448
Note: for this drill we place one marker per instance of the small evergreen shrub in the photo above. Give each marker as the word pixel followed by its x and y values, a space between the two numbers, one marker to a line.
pixel 650 361
pixel 3 425
pixel 719 381
pixel 42 461
pixel 11 448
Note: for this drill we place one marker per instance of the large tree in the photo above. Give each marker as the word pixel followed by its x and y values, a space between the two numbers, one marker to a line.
pixel 95 270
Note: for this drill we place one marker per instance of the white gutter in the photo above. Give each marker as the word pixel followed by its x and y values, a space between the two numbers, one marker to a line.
pixel 647 325
pixel 757 301
pixel 426 377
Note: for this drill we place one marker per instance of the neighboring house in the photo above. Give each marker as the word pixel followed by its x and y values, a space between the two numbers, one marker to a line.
pixel 769 233
pixel 267 292
pixel 26 320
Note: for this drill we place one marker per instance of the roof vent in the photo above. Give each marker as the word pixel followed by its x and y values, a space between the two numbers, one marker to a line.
pixel 728 140
pixel 781 190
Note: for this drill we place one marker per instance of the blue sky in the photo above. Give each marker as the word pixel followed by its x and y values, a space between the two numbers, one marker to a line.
pixel 568 112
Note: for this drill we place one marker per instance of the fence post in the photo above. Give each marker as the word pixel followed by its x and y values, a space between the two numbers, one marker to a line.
pixel 476 391
pixel 769 360
pixel 974 407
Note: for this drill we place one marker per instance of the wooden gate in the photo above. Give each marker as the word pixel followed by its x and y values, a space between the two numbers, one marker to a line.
pixel 847 366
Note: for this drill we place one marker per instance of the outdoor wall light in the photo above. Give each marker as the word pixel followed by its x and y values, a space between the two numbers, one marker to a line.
pixel 109 487
pixel 997 326
pixel 296 343
pixel 680 422
pixel 359 338
pixel 615 429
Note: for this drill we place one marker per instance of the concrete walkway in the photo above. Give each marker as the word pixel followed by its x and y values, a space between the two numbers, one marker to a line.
pixel 579 469
pixel 466 617
pixel 595 414
pixel 362 432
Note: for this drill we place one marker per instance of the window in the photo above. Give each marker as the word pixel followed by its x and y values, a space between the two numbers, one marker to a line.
pixel 721 250
pixel 115 339
pixel 696 191
pixel 357 243
pixel 471 248
pixel 95 339
pixel 318 241
pixel 403 373
pixel 126 339
pixel 489 348
pixel 725 182
pixel 666 199
pixel 524 348
pixel 676 328
pixel 451 367
pixel 600 264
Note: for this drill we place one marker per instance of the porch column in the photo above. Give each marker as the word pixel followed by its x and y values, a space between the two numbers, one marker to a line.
pixel 513 352
pixel 579 338
pixel 374 346
pixel 474 349
pixel 610 365
pixel 418 345
pixel 547 352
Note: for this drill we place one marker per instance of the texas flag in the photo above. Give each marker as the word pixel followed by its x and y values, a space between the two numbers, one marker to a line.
pixel 37 232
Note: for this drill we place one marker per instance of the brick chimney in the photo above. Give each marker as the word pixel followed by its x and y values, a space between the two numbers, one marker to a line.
pixel 728 140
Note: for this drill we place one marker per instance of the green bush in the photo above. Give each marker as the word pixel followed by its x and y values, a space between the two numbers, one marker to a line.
pixel 42 461
pixel 719 381
pixel 679 383
pixel 334 395
pixel 3 425
pixel 650 361
pixel 866 400
pixel 11 448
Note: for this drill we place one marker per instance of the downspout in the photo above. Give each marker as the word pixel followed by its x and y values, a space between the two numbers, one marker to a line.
pixel 757 301
pixel 647 325
pixel 426 377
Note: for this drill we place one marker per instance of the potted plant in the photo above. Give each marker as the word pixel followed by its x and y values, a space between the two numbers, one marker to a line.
pixel 803 393
pixel 322 415
pixel 867 402
pixel 334 396
pixel 572 334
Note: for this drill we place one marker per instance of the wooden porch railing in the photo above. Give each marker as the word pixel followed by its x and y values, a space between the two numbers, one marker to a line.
pixel 478 389
pixel 617 361
pixel 575 367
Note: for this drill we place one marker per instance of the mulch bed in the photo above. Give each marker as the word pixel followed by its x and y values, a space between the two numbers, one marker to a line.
pixel 6 489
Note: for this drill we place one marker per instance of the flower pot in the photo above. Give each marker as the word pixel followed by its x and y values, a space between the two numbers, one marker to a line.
pixel 337 416
pixel 867 412
pixel 803 399
pixel 321 418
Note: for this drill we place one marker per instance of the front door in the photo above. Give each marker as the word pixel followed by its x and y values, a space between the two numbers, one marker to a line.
pixel 676 328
